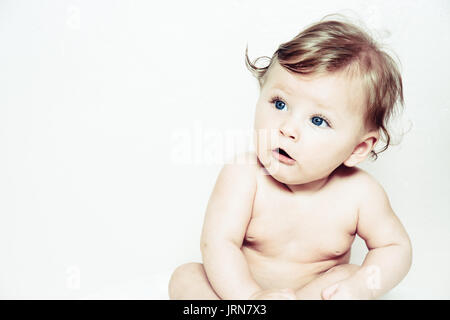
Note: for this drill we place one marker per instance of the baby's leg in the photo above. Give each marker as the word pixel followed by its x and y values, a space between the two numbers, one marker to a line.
pixel 189 282
pixel 313 290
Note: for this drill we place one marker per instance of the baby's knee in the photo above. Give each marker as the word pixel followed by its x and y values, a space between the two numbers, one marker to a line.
pixel 187 269
pixel 181 277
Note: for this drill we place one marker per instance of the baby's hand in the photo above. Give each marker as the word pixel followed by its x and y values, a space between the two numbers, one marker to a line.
pixel 274 294
pixel 346 290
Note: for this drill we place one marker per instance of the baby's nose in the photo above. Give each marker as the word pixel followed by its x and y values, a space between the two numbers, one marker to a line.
pixel 289 132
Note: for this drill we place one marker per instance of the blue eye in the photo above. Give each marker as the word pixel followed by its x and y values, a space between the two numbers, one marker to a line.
pixel 279 104
pixel 318 121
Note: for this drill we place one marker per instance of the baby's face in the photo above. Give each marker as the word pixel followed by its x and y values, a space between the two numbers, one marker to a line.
pixel 317 120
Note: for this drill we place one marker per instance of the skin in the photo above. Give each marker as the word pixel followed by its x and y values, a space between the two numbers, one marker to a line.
pixel 277 231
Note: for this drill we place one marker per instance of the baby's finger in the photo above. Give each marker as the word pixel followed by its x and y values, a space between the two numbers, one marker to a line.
pixel 330 291
pixel 289 293
pixel 283 296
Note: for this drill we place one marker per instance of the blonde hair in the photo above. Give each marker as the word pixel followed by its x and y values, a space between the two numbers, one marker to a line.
pixel 329 46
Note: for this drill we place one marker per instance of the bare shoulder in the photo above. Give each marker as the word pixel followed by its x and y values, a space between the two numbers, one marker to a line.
pixel 357 179
pixel 241 169
pixel 365 184
pixel 369 194
pixel 245 161
pixel 378 224
pixel 362 186
pixel 230 204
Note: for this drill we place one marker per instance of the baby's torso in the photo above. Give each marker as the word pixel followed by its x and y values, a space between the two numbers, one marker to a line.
pixel 291 239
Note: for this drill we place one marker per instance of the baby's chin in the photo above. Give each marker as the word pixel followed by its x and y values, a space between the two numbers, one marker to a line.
pixel 283 174
pixel 289 175
pixel 287 179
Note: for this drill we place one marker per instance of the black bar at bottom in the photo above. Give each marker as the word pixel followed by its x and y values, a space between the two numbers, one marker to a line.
pixel 229 309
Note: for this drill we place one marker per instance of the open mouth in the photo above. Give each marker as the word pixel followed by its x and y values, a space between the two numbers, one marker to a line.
pixel 282 152
pixel 283 156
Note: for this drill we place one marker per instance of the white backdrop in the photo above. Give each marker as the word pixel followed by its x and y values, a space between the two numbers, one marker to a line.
pixel 112 123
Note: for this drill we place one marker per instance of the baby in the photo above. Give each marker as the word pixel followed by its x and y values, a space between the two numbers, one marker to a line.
pixel 280 221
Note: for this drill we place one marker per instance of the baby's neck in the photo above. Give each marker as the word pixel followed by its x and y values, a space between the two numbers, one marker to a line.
pixel 315 186
pixel 310 187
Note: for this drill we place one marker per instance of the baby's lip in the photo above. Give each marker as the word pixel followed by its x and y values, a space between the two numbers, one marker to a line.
pixel 278 150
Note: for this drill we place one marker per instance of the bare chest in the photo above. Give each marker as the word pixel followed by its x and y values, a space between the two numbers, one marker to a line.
pixel 301 228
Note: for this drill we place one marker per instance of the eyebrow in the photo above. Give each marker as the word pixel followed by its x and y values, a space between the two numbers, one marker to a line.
pixel 317 102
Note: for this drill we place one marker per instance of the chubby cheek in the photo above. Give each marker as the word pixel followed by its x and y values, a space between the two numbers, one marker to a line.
pixel 325 157
pixel 265 132
pixel 261 118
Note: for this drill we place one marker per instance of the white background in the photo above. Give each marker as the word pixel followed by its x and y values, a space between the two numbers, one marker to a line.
pixel 95 95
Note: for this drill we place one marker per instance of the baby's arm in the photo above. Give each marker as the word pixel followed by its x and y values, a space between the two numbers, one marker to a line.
pixel 226 219
pixel 227 216
pixel 390 254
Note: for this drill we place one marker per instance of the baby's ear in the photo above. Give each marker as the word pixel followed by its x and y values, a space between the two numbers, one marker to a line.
pixel 362 150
